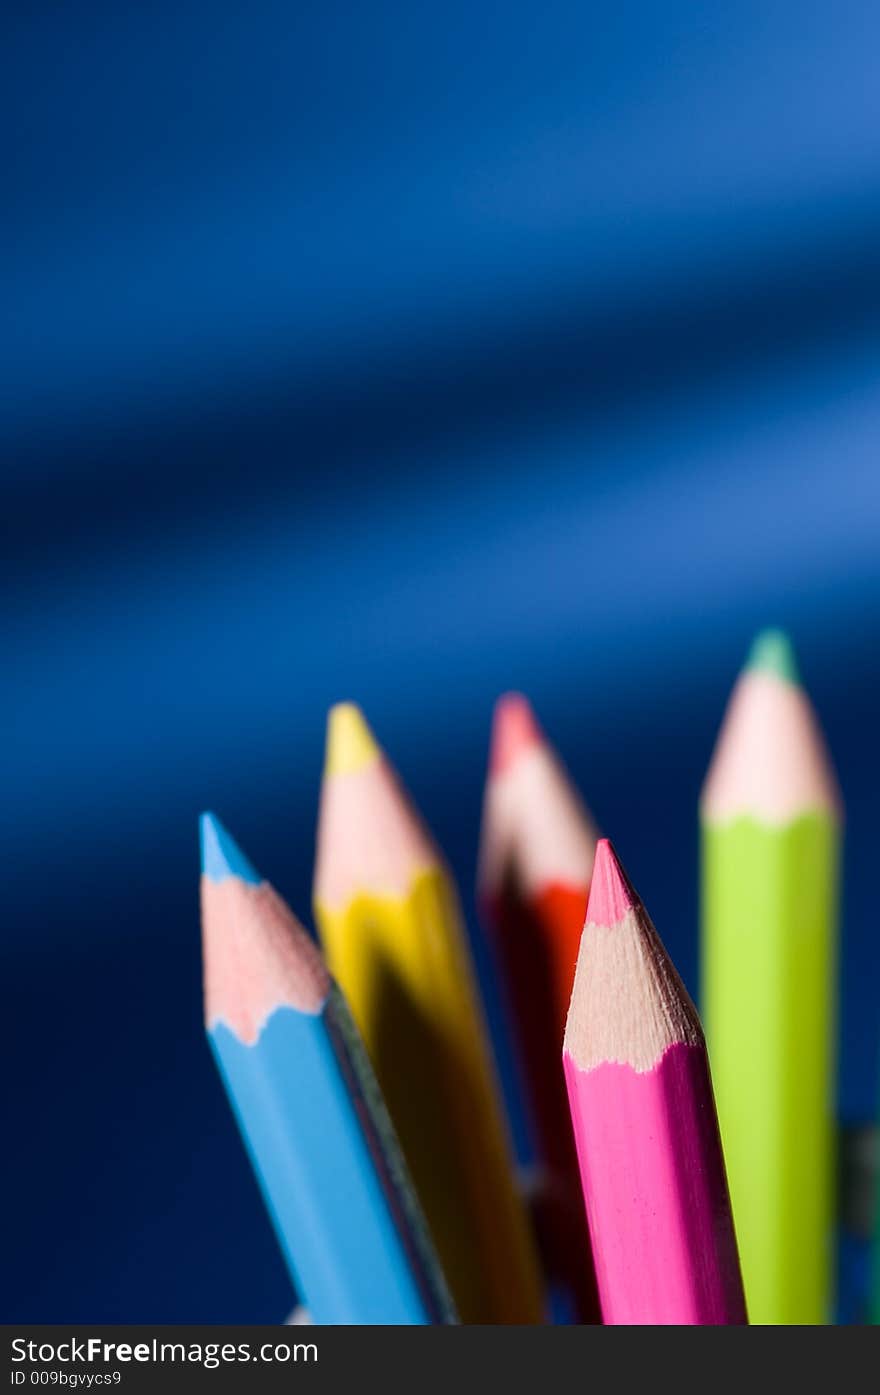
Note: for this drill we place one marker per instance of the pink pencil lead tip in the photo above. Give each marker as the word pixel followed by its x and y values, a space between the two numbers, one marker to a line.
pixel 611 891
pixel 514 731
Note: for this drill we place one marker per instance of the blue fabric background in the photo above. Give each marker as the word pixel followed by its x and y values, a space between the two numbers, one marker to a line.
pixel 404 355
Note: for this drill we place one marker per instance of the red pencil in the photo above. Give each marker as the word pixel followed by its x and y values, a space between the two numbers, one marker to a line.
pixel 536 857
pixel 645 1125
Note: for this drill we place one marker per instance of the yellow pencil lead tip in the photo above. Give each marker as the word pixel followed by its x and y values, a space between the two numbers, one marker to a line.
pixel 350 743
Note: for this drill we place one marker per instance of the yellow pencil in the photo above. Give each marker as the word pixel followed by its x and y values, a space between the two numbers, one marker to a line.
pixel 389 919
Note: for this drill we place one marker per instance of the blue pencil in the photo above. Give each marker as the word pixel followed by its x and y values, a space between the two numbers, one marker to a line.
pixel 309 1108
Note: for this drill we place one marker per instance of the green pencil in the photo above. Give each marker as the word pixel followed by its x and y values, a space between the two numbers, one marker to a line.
pixel 770 816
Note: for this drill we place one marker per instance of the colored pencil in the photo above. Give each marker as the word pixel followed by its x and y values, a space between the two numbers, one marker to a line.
pixel 770 817
pixel 309 1108
pixel 536 857
pixel 874 1297
pixel 389 920
pixel 645 1124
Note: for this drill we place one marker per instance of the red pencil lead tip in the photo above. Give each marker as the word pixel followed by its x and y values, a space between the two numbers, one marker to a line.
pixel 514 730
pixel 611 892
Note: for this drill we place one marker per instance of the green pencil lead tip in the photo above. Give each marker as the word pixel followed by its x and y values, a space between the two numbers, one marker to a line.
pixel 771 652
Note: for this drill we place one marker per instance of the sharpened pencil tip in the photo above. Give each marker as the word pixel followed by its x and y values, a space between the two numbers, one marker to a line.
pixel 611 892
pixel 514 730
pixel 350 743
pixel 221 855
pixel 772 652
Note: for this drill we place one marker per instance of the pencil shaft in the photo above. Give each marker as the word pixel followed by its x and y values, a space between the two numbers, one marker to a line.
pixel 536 941
pixel 406 970
pixel 769 973
pixel 874 1295
pixel 345 1243
pixel 529 955
pixel 655 1193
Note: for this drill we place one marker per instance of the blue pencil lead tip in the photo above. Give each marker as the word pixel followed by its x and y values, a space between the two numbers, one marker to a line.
pixel 221 855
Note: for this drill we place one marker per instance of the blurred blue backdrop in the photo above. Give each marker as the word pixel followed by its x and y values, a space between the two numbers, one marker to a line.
pixel 402 355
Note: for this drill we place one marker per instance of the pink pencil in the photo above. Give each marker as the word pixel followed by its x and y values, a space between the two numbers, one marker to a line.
pixel 644 1120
